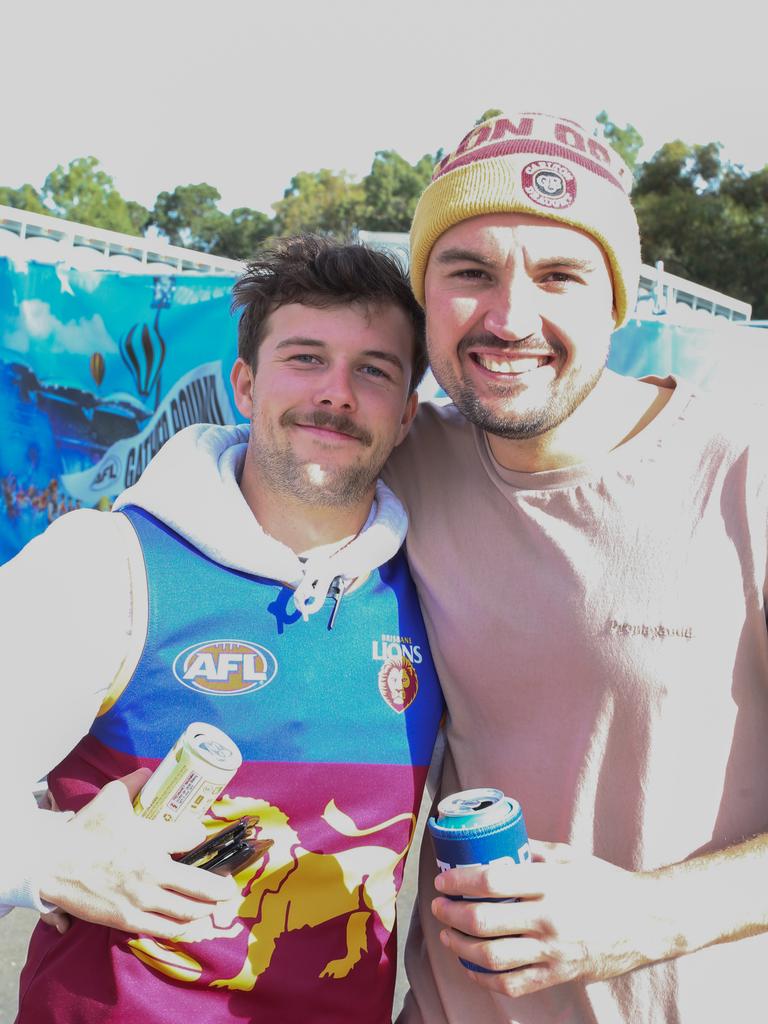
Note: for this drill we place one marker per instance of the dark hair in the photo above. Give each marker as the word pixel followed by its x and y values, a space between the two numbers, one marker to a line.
pixel 319 272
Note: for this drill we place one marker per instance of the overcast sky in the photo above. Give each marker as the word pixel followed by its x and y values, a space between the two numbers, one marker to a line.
pixel 243 95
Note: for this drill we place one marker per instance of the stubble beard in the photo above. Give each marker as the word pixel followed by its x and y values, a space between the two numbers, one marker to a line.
pixel 281 471
pixel 517 424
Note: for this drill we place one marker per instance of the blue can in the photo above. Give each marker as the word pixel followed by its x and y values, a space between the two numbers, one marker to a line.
pixel 478 826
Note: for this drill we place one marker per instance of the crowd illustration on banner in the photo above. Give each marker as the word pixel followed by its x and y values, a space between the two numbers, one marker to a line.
pixel 48 503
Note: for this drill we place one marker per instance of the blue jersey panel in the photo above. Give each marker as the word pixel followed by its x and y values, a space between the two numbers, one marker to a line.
pixel 229 649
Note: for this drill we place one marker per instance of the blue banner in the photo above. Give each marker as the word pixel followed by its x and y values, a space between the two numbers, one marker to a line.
pixel 97 371
pixel 718 355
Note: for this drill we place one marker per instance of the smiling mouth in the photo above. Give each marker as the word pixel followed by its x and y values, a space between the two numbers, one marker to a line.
pixel 327 425
pixel 329 432
pixel 516 365
pixel 331 429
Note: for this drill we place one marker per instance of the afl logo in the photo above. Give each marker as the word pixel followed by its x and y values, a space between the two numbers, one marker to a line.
pixel 549 184
pixel 107 475
pixel 398 683
pixel 225 667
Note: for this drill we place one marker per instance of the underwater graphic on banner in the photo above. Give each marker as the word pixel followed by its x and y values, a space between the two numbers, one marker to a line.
pixel 97 370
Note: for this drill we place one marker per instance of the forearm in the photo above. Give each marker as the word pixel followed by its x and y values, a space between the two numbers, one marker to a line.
pixel 717 897
pixel 568 915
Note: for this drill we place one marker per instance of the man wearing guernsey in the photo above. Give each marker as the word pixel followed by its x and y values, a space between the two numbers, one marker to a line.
pixel 253 580
pixel 590 553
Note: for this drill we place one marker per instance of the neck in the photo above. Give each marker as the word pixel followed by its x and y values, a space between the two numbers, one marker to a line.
pixel 297 524
pixel 617 409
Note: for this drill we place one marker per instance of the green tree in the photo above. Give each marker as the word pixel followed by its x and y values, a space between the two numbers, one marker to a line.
pixel 24 198
pixel 489 113
pixel 241 233
pixel 323 201
pixel 707 220
pixel 678 167
pixel 83 192
pixel 189 215
pixel 139 216
pixel 392 189
pixel 627 141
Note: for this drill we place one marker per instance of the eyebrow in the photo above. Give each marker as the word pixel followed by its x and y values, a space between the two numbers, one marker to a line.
pixel 463 256
pixel 570 262
pixel 449 256
pixel 369 353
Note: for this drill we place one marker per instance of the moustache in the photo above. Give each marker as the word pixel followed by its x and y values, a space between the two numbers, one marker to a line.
pixel 533 344
pixel 343 424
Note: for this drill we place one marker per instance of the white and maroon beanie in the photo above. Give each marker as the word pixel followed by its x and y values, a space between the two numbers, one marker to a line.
pixel 541 165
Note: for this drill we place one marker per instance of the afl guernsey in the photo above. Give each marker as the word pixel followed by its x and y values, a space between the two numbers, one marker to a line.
pixel 336 727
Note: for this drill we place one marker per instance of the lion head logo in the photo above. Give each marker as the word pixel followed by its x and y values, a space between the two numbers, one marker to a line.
pixel 398 683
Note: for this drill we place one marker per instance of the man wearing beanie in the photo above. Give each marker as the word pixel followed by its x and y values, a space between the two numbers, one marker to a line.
pixel 590 552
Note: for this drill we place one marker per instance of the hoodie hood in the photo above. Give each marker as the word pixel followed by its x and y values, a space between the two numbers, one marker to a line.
pixel 192 485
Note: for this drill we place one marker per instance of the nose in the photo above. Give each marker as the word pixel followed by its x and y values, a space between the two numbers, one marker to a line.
pixel 513 311
pixel 335 389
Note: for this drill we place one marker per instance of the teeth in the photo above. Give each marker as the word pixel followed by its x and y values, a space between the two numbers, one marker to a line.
pixel 523 364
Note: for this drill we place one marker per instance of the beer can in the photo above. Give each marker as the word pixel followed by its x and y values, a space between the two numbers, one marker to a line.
pixel 478 826
pixel 191 775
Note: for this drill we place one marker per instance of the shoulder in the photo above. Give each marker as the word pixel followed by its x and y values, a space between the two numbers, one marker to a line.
pixel 721 420
pixel 722 438
pixel 438 431
pixel 440 448
pixel 443 420
pixel 82 536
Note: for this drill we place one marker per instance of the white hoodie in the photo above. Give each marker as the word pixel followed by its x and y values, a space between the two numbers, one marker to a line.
pixel 74 612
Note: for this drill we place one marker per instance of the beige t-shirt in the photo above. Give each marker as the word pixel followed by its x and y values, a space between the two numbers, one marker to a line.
pixel 601 639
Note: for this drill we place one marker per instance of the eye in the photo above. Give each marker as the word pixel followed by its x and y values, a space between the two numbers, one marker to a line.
pixel 471 274
pixel 304 357
pixel 561 277
pixel 374 371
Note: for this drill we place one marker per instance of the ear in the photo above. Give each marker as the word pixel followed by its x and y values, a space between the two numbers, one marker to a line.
pixel 242 387
pixel 409 412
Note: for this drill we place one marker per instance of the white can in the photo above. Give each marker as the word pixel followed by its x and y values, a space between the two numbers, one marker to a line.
pixel 191 775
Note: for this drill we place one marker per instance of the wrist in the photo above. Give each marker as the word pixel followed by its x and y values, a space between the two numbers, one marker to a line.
pixel 670 925
pixel 41 863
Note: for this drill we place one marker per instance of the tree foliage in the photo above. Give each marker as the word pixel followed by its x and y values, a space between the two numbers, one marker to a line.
pixel 241 233
pixel 333 203
pixel 188 215
pixel 323 201
pixel 85 193
pixel 392 189
pixel 489 113
pixel 24 198
pixel 707 219
pixel 627 141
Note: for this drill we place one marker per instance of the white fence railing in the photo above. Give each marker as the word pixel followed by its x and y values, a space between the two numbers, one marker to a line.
pixel 34 236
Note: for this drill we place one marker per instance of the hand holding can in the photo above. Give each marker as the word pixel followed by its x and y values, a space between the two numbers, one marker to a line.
pixel 478 826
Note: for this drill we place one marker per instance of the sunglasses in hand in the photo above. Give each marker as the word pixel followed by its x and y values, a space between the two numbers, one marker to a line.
pixel 230 850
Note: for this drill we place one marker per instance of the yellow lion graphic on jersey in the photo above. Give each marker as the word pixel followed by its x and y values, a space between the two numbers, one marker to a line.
pixel 291 888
